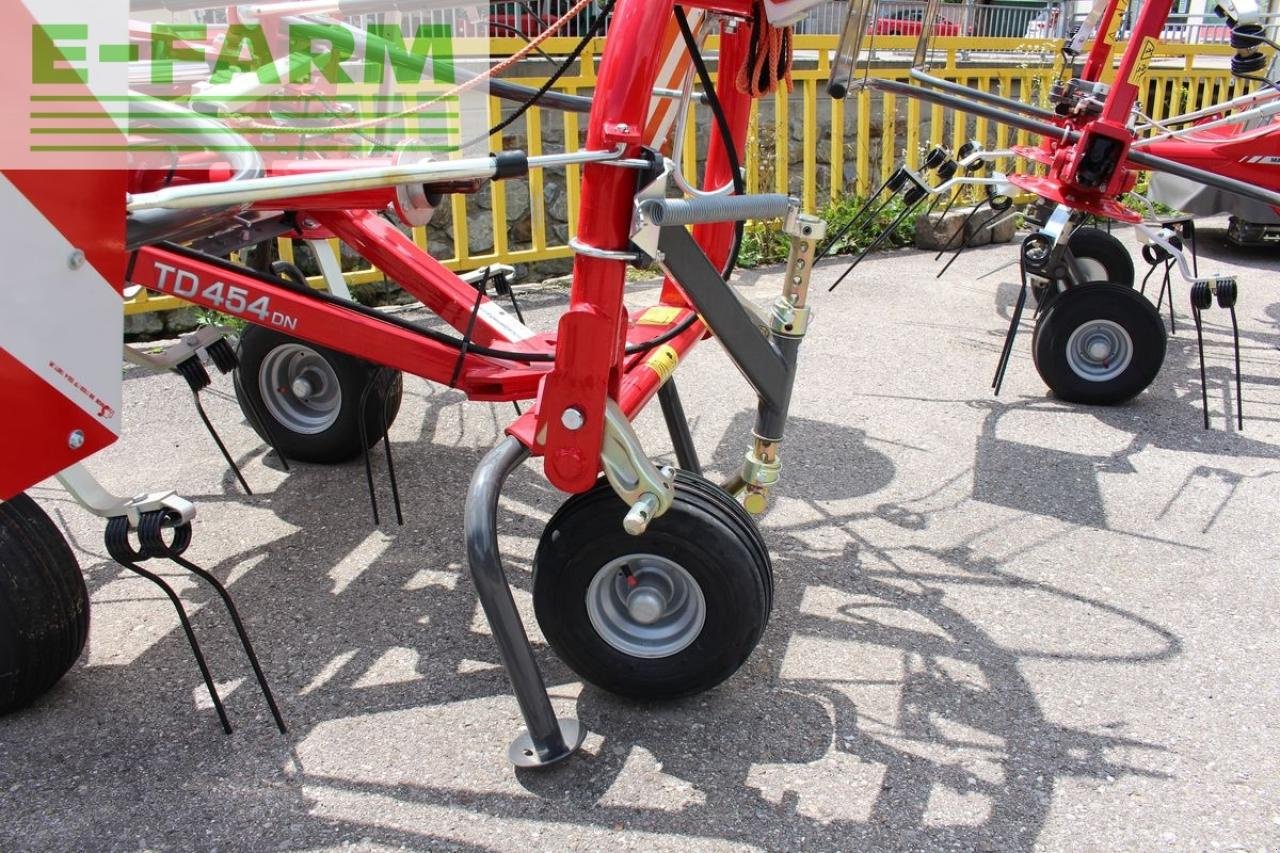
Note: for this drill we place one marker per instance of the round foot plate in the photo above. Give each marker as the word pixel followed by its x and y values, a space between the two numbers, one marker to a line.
pixel 523 753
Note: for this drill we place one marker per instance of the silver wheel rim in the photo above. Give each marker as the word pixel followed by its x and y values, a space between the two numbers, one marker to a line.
pixel 1093 269
pixel 300 389
pixel 646 606
pixel 1099 350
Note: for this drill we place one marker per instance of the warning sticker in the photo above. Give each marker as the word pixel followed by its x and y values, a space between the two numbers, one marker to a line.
pixel 663 361
pixel 1145 55
pixel 1117 19
pixel 659 315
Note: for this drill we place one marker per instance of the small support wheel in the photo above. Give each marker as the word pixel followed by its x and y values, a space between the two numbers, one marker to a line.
pixel 44 606
pixel 313 398
pixel 669 613
pixel 1099 345
pixel 1098 257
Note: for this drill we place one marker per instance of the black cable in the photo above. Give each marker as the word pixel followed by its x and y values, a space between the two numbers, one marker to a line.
pixel 722 124
pixel 430 334
pixel 1253 78
pixel 596 25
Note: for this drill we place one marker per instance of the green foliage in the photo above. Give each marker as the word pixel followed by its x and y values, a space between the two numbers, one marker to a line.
pixel 207 317
pixel 1140 192
pixel 764 243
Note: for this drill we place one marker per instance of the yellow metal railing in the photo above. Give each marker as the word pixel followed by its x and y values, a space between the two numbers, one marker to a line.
pixel 861 132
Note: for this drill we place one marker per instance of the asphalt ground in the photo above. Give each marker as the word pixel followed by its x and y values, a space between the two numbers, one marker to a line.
pixel 1000 623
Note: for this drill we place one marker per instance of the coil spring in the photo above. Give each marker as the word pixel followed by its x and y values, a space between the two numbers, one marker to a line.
pixel 223 356
pixel 1201 296
pixel 150 537
pixel 1246 36
pixel 193 371
pixel 1250 64
pixel 1226 291
pixel 1154 253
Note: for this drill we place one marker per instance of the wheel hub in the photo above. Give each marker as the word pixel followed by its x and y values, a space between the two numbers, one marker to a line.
pixel 300 389
pixel 1099 350
pixel 646 606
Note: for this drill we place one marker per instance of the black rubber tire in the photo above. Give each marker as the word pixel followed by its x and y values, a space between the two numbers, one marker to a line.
pixel 1106 259
pixel 1112 258
pixel 44 606
pixel 1117 304
pixel 708 534
pixel 341 440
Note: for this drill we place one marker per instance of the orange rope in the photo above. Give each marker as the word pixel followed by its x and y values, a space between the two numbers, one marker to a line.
pixel 769 58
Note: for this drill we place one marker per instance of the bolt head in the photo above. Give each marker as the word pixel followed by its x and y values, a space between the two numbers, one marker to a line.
pixel 76 440
pixel 755 503
pixel 76 260
pixel 301 388
pixel 572 418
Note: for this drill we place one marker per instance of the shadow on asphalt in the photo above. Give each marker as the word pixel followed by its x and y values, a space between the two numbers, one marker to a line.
pixel 957 715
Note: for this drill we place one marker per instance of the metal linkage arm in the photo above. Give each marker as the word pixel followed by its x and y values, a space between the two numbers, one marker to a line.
pixel 733 324
pixel 765 350
pixel 93 496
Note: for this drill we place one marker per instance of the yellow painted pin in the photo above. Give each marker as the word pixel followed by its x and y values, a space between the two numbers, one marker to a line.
pixel 663 361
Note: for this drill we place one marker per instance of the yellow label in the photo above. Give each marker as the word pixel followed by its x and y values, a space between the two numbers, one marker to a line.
pixel 1145 56
pixel 659 315
pixel 663 361
pixel 1116 20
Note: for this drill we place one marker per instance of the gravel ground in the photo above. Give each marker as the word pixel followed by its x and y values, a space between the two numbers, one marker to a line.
pixel 1000 623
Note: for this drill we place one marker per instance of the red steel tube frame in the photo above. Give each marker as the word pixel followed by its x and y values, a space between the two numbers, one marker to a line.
pixel 590 363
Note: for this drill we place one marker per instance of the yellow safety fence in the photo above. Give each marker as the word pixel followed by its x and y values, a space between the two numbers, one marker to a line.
pixel 809 157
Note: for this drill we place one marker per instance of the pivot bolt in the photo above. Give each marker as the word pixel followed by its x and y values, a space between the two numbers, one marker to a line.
pixel 301 388
pixel 572 418
pixel 76 440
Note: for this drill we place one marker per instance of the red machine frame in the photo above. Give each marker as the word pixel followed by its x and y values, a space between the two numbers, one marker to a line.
pixel 590 362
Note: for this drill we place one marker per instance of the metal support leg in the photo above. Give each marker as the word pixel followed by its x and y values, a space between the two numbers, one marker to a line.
pixel 678 426
pixel 547 739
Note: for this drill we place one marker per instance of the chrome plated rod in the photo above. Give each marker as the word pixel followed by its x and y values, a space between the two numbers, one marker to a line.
pixel 345 180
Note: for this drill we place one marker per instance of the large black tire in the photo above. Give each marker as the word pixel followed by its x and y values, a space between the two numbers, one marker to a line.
pixel 44 606
pixel 585 556
pixel 323 427
pixel 1099 345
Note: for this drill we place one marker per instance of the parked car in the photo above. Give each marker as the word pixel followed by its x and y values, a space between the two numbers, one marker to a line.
pixel 910 22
